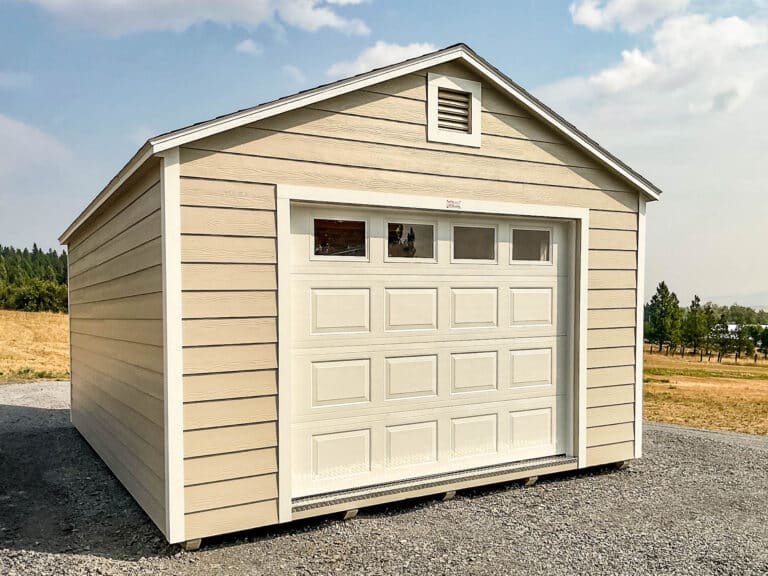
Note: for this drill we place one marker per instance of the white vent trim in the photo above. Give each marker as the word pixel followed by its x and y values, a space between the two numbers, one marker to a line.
pixel 435 133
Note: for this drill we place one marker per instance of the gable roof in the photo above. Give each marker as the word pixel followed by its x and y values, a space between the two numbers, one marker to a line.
pixel 457 52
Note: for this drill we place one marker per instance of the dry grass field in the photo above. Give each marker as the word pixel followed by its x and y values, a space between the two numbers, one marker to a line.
pixel 33 346
pixel 726 396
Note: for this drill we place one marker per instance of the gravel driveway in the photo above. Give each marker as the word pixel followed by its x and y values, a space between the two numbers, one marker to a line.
pixel 696 504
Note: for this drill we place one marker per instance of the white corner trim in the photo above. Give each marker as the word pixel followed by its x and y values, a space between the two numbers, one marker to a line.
pixel 284 492
pixel 69 328
pixel 639 329
pixel 287 193
pixel 582 290
pixel 474 89
pixel 170 209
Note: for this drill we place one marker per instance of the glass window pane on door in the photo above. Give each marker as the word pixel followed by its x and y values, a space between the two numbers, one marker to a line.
pixel 339 237
pixel 530 245
pixel 406 240
pixel 474 243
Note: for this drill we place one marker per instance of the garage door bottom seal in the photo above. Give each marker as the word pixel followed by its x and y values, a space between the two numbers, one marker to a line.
pixel 333 498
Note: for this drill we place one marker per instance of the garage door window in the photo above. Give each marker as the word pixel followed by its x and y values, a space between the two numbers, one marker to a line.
pixel 531 245
pixel 474 243
pixel 340 238
pixel 410 241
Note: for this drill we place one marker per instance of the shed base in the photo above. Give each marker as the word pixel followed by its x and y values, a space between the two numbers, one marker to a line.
pixel 441 483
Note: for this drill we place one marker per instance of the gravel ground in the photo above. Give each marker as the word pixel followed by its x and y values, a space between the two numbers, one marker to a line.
pixel 697 503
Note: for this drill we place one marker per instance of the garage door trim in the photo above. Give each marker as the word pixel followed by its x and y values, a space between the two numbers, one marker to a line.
pixel 329 196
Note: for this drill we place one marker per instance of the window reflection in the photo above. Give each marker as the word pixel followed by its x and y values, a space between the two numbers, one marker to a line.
pixel 530 245
pixel 339 237
pixel 406 240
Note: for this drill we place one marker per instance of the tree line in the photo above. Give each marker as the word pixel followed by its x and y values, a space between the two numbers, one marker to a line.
pixel 33 280
pixel 704 329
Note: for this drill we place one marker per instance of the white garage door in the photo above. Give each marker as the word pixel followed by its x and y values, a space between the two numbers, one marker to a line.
pixel 425 343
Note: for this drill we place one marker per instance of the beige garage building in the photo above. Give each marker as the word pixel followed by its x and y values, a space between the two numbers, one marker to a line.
pixel 406 282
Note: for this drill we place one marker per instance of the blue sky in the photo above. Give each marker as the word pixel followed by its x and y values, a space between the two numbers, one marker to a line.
pixel 677 88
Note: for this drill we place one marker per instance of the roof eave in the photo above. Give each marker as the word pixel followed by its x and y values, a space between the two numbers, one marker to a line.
pixel 189 134
pixel 129 169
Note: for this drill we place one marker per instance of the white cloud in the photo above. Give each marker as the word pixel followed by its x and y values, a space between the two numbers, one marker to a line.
pixel 308 15
pixel 378 55
pixel 249 47
pixel 26 147
pixel 631 15
pixel 37 174
pixel 688 112
pixel 117 17
pixel 294 74
pixel 346 2
pixel 634 69
pixel 15 79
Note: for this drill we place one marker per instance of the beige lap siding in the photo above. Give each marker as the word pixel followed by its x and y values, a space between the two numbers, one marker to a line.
pixel 374 139
pixel 229 310
pixel 117 337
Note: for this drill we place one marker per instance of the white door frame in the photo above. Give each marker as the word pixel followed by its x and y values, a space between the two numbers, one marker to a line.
pixel 578 310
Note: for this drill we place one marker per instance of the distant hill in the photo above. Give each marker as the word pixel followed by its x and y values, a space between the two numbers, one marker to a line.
pixel 757 300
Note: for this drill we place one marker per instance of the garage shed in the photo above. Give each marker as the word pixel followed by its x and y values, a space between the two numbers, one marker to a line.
pixel 410 281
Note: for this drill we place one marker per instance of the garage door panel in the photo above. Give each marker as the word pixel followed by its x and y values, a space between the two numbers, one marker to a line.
pixel 411 376
pixel 532 431
pixel 531 368
pixel 384 378
pixel 341 382
pixel 388 312
pixel 531 306
pixel 410 309
pixel 303 260
pixel 474 371
pixel 473 436
pixel 474 307
pixel 340 310
pixel 403 368
pixel 342 454
pixel 411 444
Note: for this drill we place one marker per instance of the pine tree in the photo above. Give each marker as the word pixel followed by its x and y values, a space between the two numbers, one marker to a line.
pixel 33 280
pixel 764 342
pixel 664 316
pixel 723 337
pixel 695 325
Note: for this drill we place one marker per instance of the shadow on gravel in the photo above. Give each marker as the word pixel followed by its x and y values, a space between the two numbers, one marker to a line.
pixel 395 509
pixel 56 495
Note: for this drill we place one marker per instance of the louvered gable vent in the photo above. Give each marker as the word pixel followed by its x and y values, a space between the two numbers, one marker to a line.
pixel 454 110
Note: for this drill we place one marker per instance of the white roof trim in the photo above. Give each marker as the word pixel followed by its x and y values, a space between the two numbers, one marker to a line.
pixel 144 153
pixel 458 52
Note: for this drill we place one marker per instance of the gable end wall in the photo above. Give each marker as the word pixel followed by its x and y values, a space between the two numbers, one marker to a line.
pixel 372 139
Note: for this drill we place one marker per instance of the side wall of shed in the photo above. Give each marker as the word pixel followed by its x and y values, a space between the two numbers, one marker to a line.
pixel 372 139
pixel 116 310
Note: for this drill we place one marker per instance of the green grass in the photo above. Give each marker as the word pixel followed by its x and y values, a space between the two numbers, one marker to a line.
pixel 704 373
pixel 28 373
